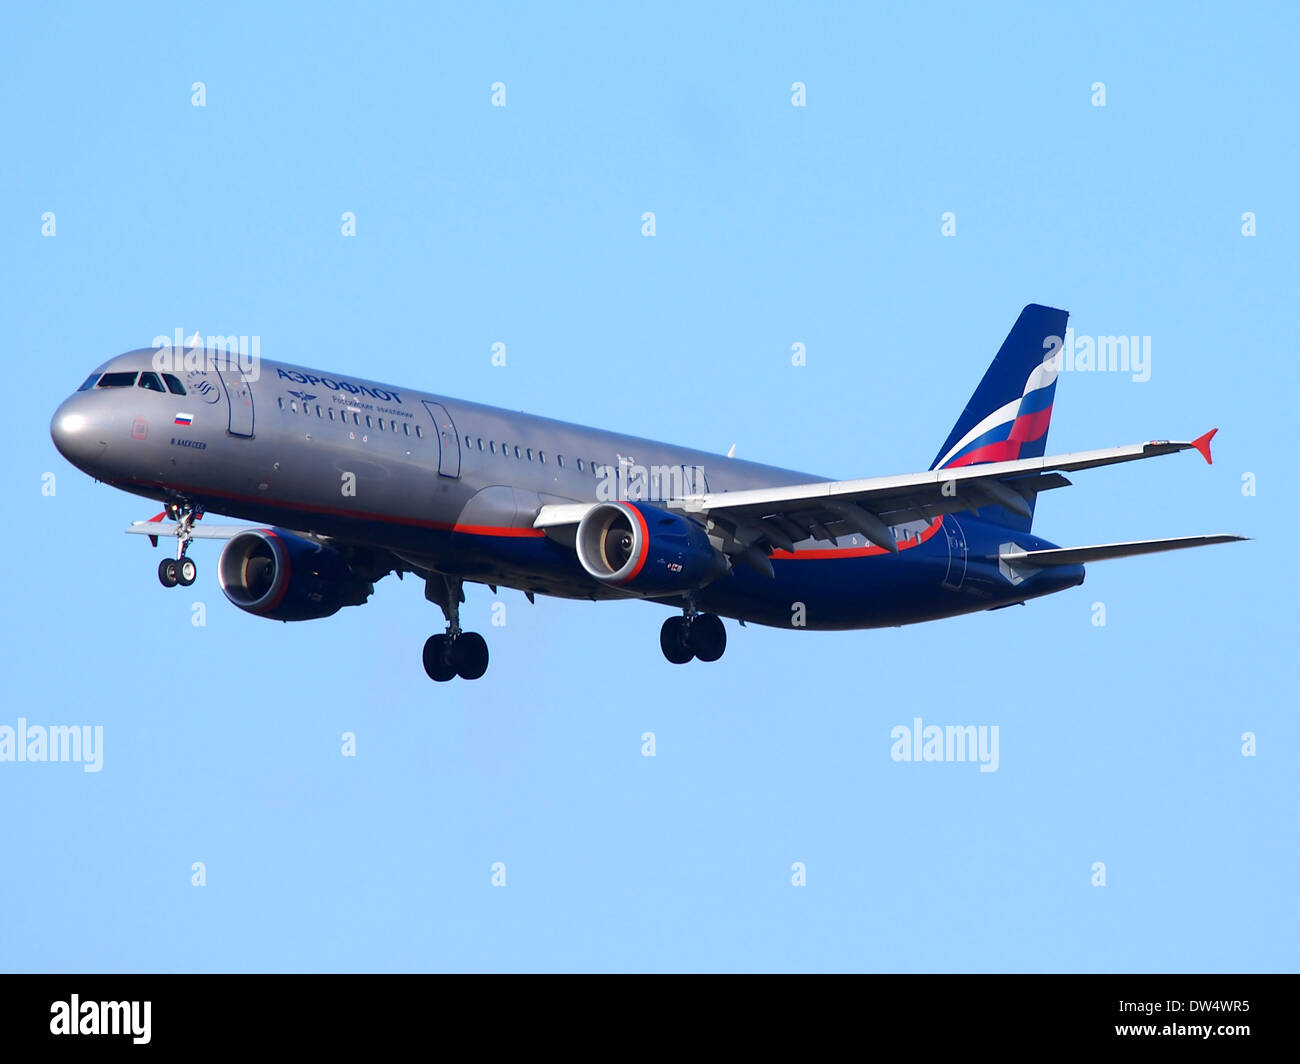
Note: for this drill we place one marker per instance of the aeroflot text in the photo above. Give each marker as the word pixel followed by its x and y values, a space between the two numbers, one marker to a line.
pixel 338 386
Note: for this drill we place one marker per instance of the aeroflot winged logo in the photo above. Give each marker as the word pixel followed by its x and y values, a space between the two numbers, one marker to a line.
pixel 306 397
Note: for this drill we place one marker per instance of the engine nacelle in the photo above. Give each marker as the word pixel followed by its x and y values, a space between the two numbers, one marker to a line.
pixel 645 548
pixel 275 574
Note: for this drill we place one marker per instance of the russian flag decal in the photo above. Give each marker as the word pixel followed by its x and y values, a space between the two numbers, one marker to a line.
pixel 184 419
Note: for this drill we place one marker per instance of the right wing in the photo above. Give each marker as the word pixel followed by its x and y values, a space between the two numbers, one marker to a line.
pixel 764 519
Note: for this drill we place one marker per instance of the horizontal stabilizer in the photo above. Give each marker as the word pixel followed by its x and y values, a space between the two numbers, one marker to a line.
pixel 1103 551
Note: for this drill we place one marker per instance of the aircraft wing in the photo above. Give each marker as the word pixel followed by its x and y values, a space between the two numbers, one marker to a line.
pixel 783 516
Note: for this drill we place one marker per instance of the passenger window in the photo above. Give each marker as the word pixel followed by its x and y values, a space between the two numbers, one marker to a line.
pixel 529 452
pixel 281 398
pixel 381 424
pixel 492 447
pixel 406 428
pixel 331 413
pixel 480 443
pixel 419 432
pixel 368 423
pixel 517 454
pixel 173 384
pixel 90 383
pixel 467 443
pixel 541 457
pixel 559 458
pixel 117 380
pixel 579 465
pixel 293 405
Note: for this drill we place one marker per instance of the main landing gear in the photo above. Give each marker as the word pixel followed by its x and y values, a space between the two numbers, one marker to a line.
pixel 455 653
pixel 693 635
pixel 180 570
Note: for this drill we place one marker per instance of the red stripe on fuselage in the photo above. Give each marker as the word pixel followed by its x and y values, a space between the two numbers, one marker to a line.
pixel 821 554
pixel 332 511
pixel 498 530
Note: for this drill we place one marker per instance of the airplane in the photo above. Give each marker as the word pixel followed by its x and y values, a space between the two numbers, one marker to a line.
pixel 348 480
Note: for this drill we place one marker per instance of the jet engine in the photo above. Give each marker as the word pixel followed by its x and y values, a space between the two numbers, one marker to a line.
pixel 646 549
pixel 273 573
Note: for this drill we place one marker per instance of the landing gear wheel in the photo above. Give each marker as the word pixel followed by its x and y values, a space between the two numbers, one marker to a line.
pixel 186 571
pixel 672 641
pixel 708 637
pixel 437 661
pixel 168 575
pixel 469 654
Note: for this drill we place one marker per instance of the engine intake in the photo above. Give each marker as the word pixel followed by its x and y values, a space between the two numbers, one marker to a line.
pixel 645 548
pixel 273 573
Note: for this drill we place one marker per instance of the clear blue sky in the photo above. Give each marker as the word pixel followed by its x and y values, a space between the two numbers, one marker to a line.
pixel 775 225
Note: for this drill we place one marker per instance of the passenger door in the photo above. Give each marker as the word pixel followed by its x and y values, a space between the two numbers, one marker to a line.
pixel 956 537
pixel 239 398
pixel 448 440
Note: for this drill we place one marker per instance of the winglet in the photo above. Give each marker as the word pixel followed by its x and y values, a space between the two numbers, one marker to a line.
pixel 1202 444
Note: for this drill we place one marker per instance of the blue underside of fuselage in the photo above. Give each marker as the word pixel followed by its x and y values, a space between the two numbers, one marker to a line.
pixel 831 590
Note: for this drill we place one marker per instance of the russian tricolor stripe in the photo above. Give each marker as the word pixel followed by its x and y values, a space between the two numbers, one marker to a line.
pixel 1002 436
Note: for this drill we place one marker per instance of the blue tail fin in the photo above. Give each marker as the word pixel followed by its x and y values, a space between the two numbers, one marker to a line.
pixel 1009 414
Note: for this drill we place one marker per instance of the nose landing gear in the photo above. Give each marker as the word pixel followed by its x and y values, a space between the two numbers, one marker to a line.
pixel 181 569
pixel 172 572
pixel 455 653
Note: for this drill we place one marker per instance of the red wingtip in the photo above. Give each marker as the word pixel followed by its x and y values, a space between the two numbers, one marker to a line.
pixel 1202 444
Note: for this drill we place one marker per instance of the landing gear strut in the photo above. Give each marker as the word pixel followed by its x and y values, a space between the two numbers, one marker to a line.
pixel 181 569
pixel 455 653
pixel 693 635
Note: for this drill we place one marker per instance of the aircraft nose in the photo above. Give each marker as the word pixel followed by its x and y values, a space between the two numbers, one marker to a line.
pixel 75 433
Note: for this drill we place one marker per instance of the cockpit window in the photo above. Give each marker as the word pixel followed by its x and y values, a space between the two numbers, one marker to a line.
pixel 90 383
pixel 173 384
pixel 151 381
pixel 117 380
